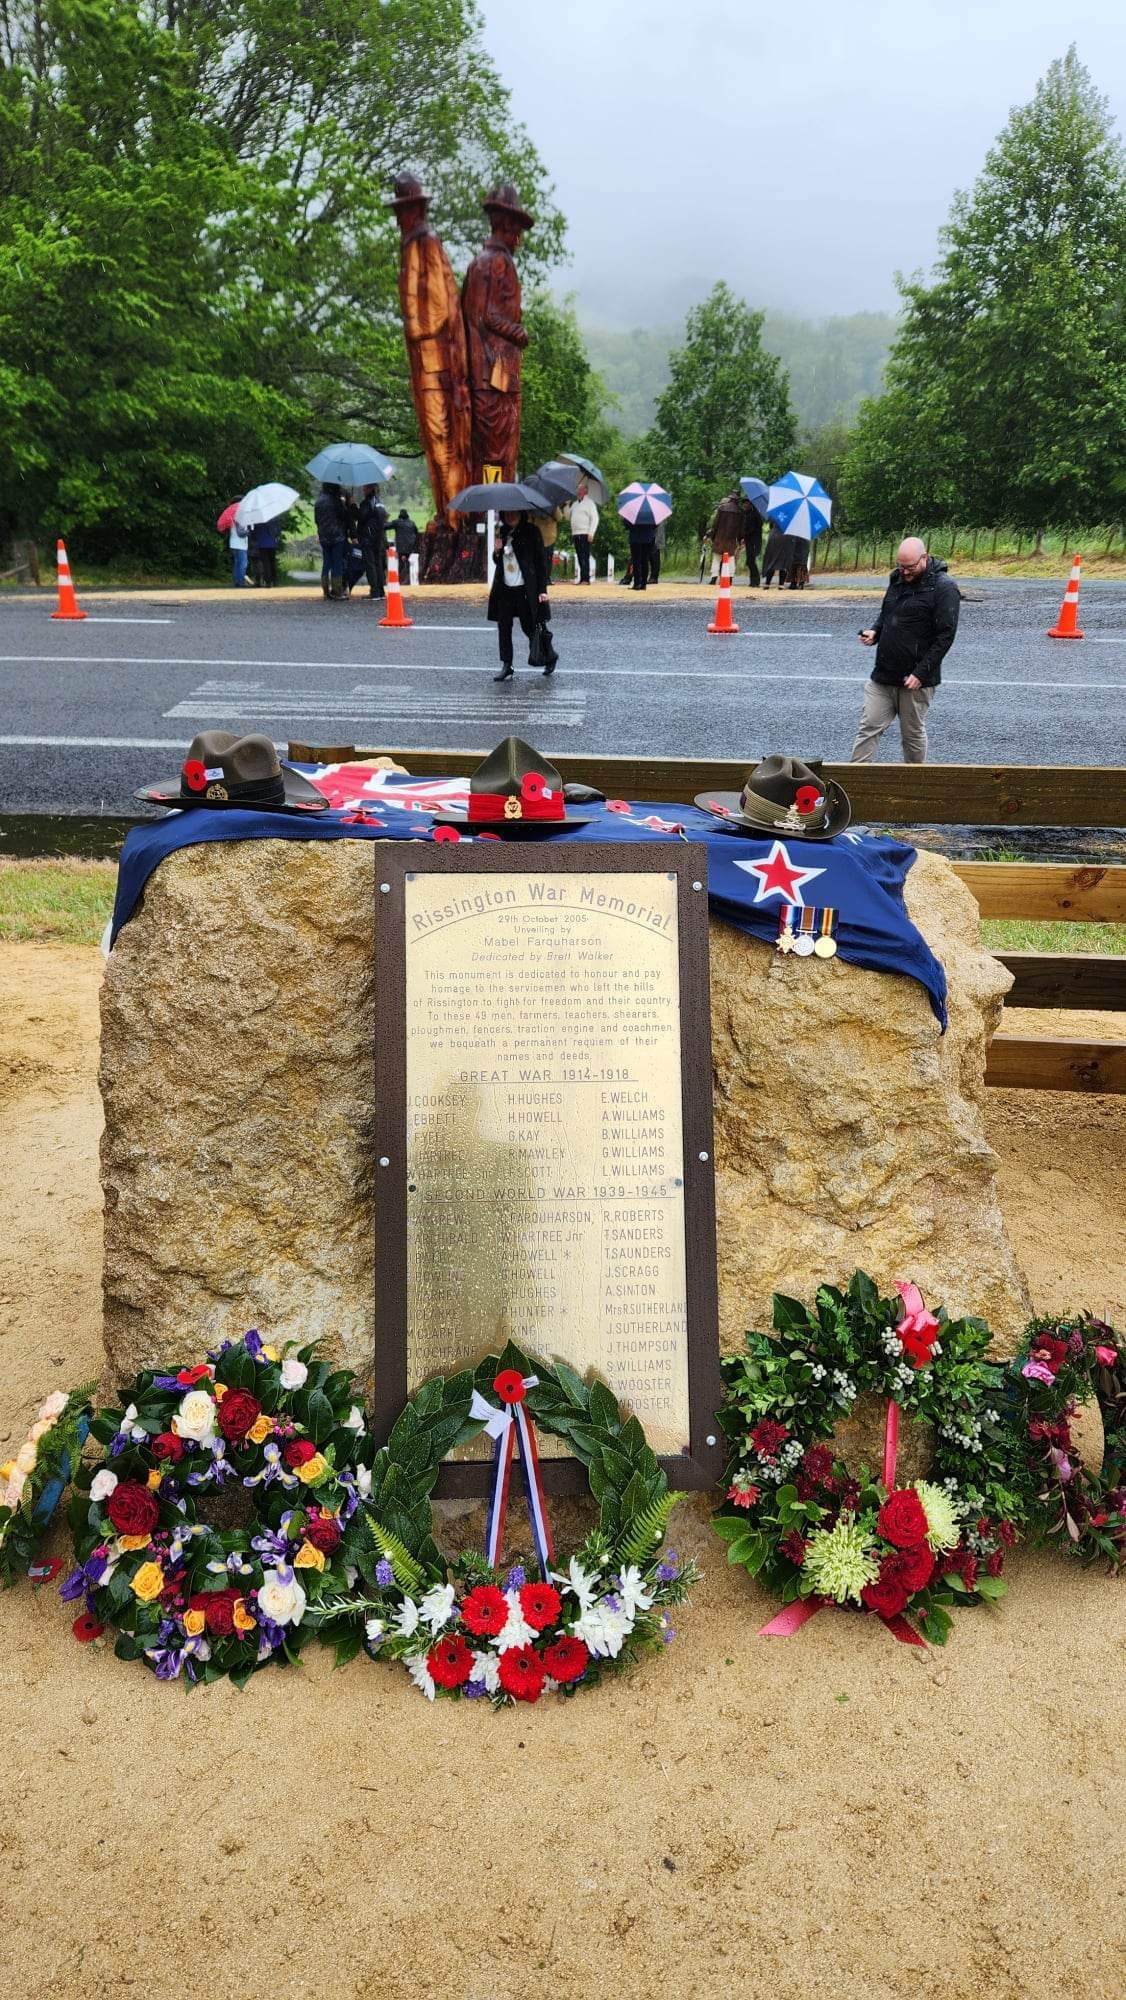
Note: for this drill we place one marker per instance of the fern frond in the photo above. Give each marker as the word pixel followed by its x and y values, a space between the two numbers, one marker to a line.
pixel 408 1575
pixel 647 1530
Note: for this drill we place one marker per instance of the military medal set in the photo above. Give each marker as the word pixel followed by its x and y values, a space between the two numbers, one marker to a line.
pixel 813 934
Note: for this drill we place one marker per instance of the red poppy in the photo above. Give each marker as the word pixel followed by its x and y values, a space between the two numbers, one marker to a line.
pixel 541 1605
pixel 807 799
pixel 446 833
pixel 450 1662
pixel 188 1377
pixel 617 805
pixel 485 1611
pixel 194 774
pixel 521 1673
pixel 533 785
pixel 566 1659
pixel 509 1385
pixel 86 1628
pixel 487 836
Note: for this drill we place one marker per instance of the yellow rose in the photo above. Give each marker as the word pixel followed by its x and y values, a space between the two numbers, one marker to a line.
pixel 220 1391
pixel 7 1469
pixel 154 1479
pixel 243 1620
pixel 127 1543
pixel 194 1622
pixel 313 1469
pixel 148 1582
pixel 271 1353
pixel 308 1557
pixel 260 1429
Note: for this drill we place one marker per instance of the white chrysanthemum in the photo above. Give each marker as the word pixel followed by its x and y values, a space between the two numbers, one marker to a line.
pixel 438 1605
pixel 581 1585
pixel 407 1620
pixel 944 1515
pixel 421 1675
pixel 486 1667
pixel 839 1561
pixel 516 1631
pixel 375 1630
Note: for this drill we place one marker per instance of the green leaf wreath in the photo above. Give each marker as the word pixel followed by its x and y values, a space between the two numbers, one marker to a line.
pixel 1063 1363
pixel 464 1629
pixel 795 1516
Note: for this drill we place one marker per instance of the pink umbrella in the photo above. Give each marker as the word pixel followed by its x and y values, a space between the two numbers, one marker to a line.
pixel 640 504
pixel 227 516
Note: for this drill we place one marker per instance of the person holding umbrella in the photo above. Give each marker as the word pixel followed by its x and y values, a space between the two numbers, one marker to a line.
pixel 754 507
pixel 331 518
pixel 641 506
pixel 519 590
pixel 584 527
pixel 373 539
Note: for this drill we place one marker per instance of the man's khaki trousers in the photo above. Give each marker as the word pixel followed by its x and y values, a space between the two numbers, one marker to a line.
pixel 881 706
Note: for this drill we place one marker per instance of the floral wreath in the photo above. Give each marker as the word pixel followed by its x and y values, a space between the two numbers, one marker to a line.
pixel 794 1515
pixel 190 1599
pixel 1062 1364
pixel 471 1630
pixel 32 1483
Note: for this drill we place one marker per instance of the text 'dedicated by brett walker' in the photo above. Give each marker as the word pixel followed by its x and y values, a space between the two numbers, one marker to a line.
pixel 545 1155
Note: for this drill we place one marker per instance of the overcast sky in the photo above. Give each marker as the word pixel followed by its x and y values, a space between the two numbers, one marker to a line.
pixel 805 162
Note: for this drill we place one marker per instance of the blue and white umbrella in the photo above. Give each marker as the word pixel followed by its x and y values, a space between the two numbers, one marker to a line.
pixel 800 505
pixel 643 505
pixel 351 465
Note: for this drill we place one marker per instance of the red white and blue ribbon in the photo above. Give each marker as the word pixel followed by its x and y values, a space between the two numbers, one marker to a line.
pixel 508 1425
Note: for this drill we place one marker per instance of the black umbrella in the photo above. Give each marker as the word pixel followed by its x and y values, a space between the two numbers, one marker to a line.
pixel 559 482
pixel 596 481
pixel 506 497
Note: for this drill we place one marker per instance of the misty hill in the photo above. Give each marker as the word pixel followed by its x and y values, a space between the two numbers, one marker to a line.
pixel 832 364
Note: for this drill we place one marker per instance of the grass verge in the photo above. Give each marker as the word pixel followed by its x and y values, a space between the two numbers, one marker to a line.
pixel 68 901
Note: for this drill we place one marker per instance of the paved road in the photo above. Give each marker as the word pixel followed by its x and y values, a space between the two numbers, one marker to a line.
pixel 90 711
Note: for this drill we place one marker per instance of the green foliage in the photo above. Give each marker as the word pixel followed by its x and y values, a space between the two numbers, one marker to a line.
pixel 725 412
pixel 198 268
pixel 1006 387
pixel 561 393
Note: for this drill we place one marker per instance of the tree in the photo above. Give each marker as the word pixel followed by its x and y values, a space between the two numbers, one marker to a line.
pixel 198 267
pixel 562 395
pixel 1006 388
pixel 725 413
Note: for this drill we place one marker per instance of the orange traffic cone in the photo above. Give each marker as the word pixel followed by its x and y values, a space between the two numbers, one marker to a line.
pixel 394 614
pixel 723 621
pixel 68 602
pixel 1067 624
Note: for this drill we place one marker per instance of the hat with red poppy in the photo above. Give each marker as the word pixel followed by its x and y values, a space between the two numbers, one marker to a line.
pixel 783 795
pixel 224 770
pixel 515 793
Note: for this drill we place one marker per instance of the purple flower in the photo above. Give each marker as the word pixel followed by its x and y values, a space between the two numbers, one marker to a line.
pixel 517 1577
pixel 1062 1464
pixel 253 1343
pixel 74 1586
pixel 473 1690
pixel 668 1634
pixel 669 1568
pixel 384 1574
pixel 167 1663
pixel 1036 1372
pixel 1075 1344
pixel 166 1382
pixel 612 1600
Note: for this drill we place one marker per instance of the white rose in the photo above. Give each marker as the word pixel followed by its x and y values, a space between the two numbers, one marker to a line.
pixel 283 1603
pixel 294 1374
pixel 354 1421
pixel 103 1484
pixel 195 1417
pixel 54 1406
pixel 130 1416
pixel 16 1483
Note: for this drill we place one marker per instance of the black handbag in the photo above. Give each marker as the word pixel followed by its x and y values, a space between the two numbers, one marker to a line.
pixel 539 647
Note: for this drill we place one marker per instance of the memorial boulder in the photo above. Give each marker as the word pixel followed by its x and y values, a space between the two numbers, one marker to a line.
pixel 239 1160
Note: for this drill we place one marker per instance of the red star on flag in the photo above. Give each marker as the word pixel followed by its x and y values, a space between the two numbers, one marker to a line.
pixel 778 876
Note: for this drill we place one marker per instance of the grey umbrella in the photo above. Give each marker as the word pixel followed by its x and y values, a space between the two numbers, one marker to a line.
pixel 595 479
pixel 559 482
pixel 507 496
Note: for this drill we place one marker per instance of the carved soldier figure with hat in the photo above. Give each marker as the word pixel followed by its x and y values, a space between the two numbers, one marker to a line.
pixel 496 336
pixel 436 345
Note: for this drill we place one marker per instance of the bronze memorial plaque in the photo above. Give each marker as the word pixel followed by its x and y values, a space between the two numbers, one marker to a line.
pixel 543 1091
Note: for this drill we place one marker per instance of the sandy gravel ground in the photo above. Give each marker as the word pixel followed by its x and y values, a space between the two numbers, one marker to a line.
pixel 833 1815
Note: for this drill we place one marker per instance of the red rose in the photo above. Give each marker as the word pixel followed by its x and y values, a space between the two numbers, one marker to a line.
pixel 239 1411
pixel 566 1660
pixel 541 1605
pixel 521 1673
pixel 188 1377
pixel 887 1600
pixel 218 1608
pixel 911 1569
pixel 509 1385
pixel 298 1453
pixel 1052 1352
pixel 132 1508
pixel 450 1662
pixel 902 1519
pixel 169 1446
pixel 86 1628
pixel 325 1533
pixel 485 1611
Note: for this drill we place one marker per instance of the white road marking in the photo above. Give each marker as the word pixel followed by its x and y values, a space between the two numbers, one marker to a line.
pixel 96 618
pixel 92 743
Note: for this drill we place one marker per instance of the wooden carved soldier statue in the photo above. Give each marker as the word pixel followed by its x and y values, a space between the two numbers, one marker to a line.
pixel 496 337
pixel 435 337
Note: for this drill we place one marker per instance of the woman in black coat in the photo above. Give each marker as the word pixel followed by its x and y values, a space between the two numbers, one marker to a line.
pixel 519 591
